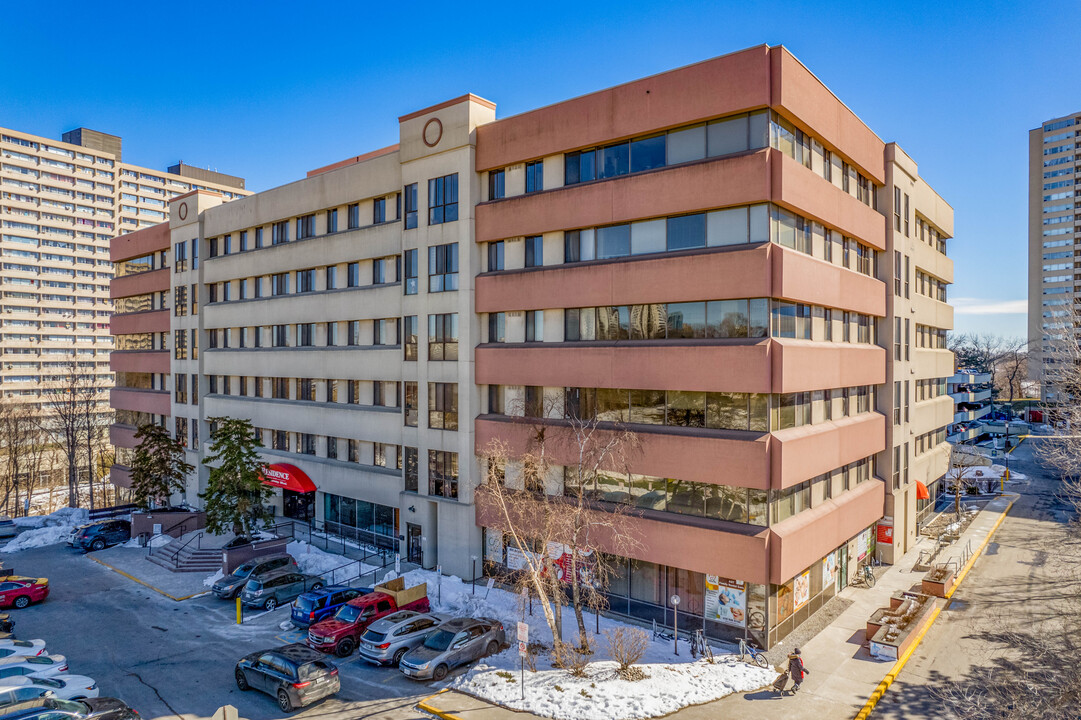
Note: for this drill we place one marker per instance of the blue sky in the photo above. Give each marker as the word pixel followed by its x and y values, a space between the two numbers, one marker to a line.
pixel 269 90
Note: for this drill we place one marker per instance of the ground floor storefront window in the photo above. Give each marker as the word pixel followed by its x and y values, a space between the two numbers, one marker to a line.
pixel 724 608
pixel 366 522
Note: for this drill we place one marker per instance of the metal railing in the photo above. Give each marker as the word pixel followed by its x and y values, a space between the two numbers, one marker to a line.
pixel 175 554
pixel 108 512
pixel 149 541
pixel 363 545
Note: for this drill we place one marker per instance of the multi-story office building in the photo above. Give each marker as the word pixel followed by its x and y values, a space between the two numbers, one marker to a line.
pixel 1053 234
pixel 61 203
pixel 722 258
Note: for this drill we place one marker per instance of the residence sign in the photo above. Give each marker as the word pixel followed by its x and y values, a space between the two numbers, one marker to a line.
pixel 288 477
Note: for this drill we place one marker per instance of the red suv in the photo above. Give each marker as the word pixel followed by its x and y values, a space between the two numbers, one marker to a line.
pixel 21 591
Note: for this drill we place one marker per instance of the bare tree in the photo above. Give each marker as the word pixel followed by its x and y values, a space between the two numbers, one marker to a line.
pixel 23 444
pixel 962 471
pixel 545 496
pixel 68 404
pixel 1011 368
pixel 1061 452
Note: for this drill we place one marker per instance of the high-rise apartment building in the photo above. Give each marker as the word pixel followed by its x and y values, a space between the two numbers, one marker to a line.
pixel 1052 239
pixel 722 258
pixel 61 203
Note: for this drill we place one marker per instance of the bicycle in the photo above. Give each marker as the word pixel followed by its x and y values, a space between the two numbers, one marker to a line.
pixel 865 578
pixel 699 646
pixel 758 657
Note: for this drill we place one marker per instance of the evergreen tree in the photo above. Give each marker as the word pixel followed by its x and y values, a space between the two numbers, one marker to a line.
pixel 235 492
pixel 158 469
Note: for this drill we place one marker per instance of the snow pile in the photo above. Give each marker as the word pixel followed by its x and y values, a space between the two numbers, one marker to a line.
pixel 673 681
pixel 336 569
pixel 603 695
pixel 211 579
pixel 47 529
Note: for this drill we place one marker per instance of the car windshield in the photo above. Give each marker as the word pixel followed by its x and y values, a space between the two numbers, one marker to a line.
pixel 347 613
pixel 374 637
pixel 245 569
pixel 22 643
pixel 39 660
pixel 48 682
pixel 439 640
pixel 71 706
pixel 305 604
pixel 253 585
pixel 311 670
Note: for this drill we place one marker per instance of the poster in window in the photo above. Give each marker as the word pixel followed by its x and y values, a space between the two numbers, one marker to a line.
pixel 726 601
pixel 784 602
pixel 862 544
pixel 515 557
pixel 802 589
pixel 829 569
pixel 493 546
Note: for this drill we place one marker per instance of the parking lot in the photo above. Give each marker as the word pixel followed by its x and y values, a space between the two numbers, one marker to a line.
pixel 172 659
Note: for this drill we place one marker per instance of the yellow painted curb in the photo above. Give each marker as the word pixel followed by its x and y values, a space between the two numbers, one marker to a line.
pixel 146 584
pixel 428 708
pixel 883 686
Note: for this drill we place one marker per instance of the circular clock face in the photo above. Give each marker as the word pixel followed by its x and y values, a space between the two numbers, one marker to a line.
pixel 182 211
pixel 433 132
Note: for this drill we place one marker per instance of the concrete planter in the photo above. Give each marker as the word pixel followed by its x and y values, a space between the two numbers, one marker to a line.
pixel 232 558
pixel 166 522
pixel 892 639
pixel 938 581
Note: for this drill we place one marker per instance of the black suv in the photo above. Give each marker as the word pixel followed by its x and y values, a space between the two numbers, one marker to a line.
pixel 101 708
pixel 294 674
pixel 99 535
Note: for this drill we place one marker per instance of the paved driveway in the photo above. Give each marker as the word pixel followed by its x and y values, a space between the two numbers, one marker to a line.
pixel 175 659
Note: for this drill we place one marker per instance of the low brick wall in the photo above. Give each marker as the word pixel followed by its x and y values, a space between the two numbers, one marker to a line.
pixel 234 557
pixel 172 522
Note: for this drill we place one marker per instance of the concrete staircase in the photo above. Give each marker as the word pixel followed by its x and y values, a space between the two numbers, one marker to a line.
pixel 188 553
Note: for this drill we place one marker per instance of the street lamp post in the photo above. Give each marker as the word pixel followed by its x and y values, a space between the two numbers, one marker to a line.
pixel 474 559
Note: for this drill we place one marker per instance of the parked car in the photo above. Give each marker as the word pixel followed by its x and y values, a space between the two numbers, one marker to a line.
pixel 36 666
pixel 48 708
pixel 386 640
pixel 7 527
pixel 65 687
pixel 316 605
pixel 455 643
pixel 101 534
pixel 17 591
pixel 230 586
pixel 294 674
pixel 21 647
pixel 341 633
pixel 270 591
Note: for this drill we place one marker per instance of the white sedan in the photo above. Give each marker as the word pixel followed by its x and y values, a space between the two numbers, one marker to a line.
pixel 62 687
pixel 36 666
pixel 11 647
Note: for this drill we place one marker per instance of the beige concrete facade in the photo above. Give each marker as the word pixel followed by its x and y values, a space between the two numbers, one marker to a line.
pixel 772 443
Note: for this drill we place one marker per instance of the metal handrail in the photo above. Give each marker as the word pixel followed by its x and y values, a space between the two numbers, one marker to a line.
pixel 173 558
pixel 149 544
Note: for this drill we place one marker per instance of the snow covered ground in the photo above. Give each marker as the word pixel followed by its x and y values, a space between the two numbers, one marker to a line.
pixel 672 681
pixel 46 529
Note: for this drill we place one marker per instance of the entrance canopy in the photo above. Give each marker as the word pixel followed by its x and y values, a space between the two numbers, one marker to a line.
pixel 289 477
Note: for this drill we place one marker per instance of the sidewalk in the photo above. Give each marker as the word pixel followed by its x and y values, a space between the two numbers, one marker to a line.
pixel 843 675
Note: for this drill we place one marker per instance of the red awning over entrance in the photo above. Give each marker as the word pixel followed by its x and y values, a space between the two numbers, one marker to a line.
pixel 922 492
pixel 289 477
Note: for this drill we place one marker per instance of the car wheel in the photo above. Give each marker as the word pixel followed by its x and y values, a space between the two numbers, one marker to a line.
pixel 284 702
pixel 98 544
pixel 440 672
pixel 493 648
pixel 398 657
pixel 270 604
pixel 344 648
pixel 22 601
pixel 241 681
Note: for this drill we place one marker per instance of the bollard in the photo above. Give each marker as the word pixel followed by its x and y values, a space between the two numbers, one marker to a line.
pixel 239 612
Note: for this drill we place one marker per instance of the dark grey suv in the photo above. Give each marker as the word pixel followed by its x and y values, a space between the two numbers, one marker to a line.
pixel 230 586
pixel 294 674
pixel 270 591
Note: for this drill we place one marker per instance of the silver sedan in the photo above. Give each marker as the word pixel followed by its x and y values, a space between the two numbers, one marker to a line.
pixel 389 638
pixel 456 642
